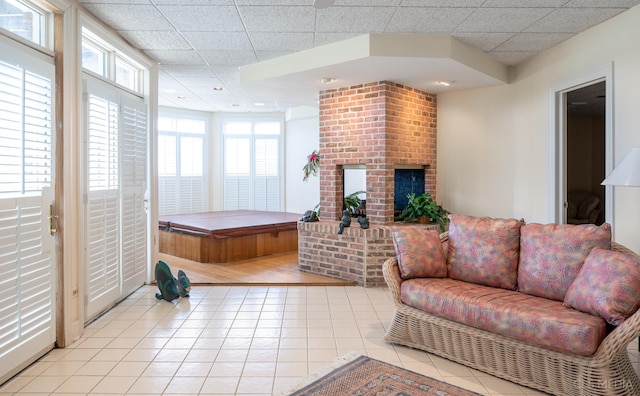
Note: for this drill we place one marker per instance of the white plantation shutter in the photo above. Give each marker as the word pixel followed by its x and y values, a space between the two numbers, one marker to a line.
pixel 168 195
pixel 134 186
pixel 191 199
pixel 103 250
pixel 115 216
pixel 181 180
pixel 251 166
pixel 266 183
pixel 103 201
pixel 27 259
pixel 26 303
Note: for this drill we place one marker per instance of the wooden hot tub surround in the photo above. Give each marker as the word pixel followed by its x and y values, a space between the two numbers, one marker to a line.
pixel 223 237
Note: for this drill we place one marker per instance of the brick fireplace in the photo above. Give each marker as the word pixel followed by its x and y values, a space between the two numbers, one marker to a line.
pixel 381 127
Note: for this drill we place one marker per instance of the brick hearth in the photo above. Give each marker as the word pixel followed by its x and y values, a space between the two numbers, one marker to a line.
pixel 382 126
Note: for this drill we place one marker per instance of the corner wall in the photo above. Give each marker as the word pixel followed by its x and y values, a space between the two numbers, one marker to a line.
pixel 494 144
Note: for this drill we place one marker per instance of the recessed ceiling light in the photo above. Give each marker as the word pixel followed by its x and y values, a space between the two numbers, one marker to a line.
pixel 327 80
pixel 445 83
pixel 218 88
pixel 235 104
pixel 181 97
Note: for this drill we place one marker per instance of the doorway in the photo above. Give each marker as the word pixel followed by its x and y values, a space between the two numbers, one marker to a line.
pixel 585 154
pixel 581 147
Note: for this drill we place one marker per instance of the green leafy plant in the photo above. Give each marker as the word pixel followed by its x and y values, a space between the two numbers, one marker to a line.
pixel 425 205
pixel 352 201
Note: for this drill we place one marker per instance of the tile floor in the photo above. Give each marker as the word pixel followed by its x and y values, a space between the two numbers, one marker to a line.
pixel 234 340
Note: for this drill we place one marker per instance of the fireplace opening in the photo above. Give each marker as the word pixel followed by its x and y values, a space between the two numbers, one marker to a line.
pixel 406 181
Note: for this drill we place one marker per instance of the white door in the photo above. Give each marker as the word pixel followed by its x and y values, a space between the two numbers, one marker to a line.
pixel 115 167
pixel 27 255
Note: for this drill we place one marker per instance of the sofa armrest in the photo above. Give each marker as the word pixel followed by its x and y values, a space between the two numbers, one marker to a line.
pixel 391 274
pixel 621 336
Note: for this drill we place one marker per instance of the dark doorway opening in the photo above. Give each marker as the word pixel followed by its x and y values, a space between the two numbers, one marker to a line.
pixel 585 156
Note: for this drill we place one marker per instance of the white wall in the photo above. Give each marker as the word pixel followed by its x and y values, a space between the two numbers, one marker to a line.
pixel 302 137
pixel 494 143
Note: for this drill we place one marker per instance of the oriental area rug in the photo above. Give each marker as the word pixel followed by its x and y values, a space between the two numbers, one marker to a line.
pixel 362 376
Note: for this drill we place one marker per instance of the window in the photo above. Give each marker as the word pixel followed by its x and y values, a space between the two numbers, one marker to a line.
pixel 181 170
pixel 23 19
pixel 252 164
pixel 100 58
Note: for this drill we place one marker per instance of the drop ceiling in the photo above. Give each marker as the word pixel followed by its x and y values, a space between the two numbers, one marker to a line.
pixel 205 44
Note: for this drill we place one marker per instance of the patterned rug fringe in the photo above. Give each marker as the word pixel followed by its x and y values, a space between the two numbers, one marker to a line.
pixel 317 374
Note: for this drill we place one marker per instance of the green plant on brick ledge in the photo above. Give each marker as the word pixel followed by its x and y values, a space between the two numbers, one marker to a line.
pixel 425 207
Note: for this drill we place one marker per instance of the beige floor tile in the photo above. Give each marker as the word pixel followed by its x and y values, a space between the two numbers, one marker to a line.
pixel 112 384
pixel 194 369
pixel 79 384
pixel 96 368
pixel 185 385
pixel 149 385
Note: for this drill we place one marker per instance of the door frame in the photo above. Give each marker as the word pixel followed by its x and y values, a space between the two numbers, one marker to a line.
pixel 558 138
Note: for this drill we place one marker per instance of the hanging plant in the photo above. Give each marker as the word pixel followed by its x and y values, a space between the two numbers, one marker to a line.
pixel 312 166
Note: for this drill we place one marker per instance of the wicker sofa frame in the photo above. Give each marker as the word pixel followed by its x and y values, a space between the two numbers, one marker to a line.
pixel 607 372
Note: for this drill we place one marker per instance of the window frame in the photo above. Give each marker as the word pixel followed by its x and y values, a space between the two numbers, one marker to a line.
pixel 111 57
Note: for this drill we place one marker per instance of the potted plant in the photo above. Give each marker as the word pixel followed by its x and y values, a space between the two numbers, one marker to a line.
pixel 352 202
pixel 423 207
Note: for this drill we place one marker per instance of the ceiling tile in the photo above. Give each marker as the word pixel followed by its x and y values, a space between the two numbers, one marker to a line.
pixel 265 55
pixel 278 18
pixel 229 58
pixel 203 71
pixel 196 2
pixel 427 20
pixel 84 2
pixel 195 83
pixel 275 41
pixel 175 57
pixel 483 41
pixel 203 18
pixel 602 3
pixel 155 40
pixel 368 3
pixel 126 16
pixel 523 3
pixel 573 20
pixel 354 19
pixel 274 2
pixel 231 41
pixel 498 20
pixel 328 38
pixel 533 42
pixel 442 3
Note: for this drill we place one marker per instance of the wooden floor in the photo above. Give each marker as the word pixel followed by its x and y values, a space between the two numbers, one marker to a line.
pixel 277 269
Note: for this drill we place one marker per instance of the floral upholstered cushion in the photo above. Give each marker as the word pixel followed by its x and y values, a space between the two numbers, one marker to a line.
pixel 551 255
pixel 484 250
pixel 534 320
pixel 608 285
pixel 419 252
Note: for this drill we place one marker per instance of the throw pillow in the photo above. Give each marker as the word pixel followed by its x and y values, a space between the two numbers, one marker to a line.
pixel 608 286
pixel 419 252
pixel 551 256
pixel 484 250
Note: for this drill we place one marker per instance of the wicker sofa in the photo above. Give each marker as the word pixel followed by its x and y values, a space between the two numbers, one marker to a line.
pixel 430 321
